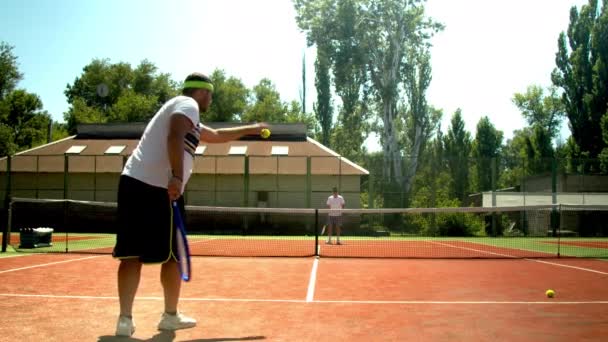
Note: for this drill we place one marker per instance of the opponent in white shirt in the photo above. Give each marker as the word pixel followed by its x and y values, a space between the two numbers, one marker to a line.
pixel 335 203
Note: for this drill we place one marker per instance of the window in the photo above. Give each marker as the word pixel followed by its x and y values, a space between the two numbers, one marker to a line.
pixel 280 150
pixel 237 150
pixel 76 149
pixel 200 150
pixel 115 149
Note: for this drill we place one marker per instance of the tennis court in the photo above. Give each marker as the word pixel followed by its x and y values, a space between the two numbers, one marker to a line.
pixel 267 274
pixel 72 297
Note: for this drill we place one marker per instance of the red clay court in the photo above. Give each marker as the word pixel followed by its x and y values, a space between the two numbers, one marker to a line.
pixel 72 297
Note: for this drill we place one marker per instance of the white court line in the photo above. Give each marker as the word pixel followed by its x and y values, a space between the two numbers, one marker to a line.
pixel 569 266
pixel 195 241
pixel 50 263
pixel 474 250
pixel 457 302
pixel 300 301
pixel 527 259
pixel 313 281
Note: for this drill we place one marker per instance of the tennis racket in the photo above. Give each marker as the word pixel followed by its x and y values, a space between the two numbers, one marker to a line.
pixel 323 230
pixel 183 251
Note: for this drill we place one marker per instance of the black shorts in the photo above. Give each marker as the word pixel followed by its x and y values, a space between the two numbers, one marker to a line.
pixel 145 228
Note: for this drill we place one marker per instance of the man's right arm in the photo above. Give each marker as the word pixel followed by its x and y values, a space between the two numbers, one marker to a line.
pixel 179 126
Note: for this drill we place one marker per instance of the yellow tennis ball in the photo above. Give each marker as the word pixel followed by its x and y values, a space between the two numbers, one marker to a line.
pixel 265 133
pixel 550 293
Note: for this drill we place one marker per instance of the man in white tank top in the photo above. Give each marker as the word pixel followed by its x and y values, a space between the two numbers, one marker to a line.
pixel 155 175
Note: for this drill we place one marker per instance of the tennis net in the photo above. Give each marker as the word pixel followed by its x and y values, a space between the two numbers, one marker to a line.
pixel 540 231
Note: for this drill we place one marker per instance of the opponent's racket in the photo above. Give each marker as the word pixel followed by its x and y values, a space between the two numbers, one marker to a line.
pixel 323 230
pixel 183 250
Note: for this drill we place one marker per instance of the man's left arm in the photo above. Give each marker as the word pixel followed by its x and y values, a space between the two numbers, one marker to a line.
pixel 221 135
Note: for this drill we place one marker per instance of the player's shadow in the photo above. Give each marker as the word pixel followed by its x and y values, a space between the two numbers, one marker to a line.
pixel 169 336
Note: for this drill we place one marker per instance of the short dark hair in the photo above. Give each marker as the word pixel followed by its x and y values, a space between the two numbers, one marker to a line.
pixel 335 189
pixel 195 76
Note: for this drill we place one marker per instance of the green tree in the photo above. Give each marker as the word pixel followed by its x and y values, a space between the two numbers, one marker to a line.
pixel 432 189
pixel 394 30
pixel 9 78
pixel 25 117
pixel 229 98
pixel 540 110
pixel 514 158
pixel 486 150
pixel 7 140
pixel 303 91
pixel 23 122
pixel 543 114
pixel 350 78
pixel 315 17
pixel 9 70
pixel 133 107
pixel 323 107
pixel 80 112
pixel 421 120
pixel 385 42
pixel 267 105
pixel 582 73
pixel 295 114
pixel 604 154
pixel 147 88
pixel 59 131
pixel 457 144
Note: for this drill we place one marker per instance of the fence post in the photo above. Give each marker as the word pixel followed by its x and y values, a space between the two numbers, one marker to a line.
pixel 308 182
pixel 554 212
pixel 493 186
pixel 66 165
pixel 370 199
pixel 246 183
pixel 276 182
pixel 215 180
pixel 340 173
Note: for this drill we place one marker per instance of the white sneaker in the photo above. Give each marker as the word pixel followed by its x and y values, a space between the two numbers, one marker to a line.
pixel 125 326
pixel 175 322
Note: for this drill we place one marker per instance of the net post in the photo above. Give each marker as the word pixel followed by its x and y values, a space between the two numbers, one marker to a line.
pixel 316 253
pixel 66 167
pixel 7 200
pixel 65 223
pixel 6 235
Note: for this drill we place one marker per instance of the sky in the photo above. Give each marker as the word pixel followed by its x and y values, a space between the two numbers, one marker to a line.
pixel 488 51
